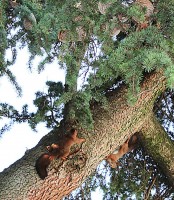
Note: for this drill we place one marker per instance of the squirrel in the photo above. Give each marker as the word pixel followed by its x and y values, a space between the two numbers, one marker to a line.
pixel 61 150
pixel 126 147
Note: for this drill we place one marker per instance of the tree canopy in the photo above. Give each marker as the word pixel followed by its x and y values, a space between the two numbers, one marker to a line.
pixel 116 49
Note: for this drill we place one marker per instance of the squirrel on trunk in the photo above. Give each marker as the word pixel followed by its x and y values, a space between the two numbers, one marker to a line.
pixel 61 150
pixel 126 147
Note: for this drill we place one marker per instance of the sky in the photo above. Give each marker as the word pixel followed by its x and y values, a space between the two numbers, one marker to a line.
pixel 21 137
pixel 15 142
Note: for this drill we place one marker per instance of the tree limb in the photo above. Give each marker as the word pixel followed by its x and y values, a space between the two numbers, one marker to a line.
pixel 111 128
pixel 159 146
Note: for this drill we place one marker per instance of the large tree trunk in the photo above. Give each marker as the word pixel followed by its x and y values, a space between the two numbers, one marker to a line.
pixel 111 128
pixel 158 144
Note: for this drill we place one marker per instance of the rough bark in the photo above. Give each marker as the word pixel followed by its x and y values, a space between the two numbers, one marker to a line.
pixel 111 128
pixel 158 144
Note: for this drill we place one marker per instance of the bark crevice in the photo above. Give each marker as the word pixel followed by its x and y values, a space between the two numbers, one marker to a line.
pixel 111 128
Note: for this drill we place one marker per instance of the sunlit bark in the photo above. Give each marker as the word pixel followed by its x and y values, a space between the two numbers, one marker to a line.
pixel 111 128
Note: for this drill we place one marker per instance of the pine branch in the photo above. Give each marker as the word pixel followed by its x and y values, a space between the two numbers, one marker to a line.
pixel 147 192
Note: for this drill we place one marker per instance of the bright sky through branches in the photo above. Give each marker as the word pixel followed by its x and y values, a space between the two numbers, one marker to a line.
pixel 15 142
pixel 21 137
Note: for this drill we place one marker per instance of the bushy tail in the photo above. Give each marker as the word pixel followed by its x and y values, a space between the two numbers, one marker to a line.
pixel 41 165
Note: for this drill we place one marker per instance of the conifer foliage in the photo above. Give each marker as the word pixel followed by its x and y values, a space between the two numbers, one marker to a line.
pixel 101 44
pixel 99 40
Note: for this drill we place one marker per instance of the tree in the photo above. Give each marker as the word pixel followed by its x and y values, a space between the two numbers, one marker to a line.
pixel 125 77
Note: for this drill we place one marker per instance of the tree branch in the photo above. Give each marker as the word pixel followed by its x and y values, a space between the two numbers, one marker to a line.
pixel 159 146
pixel 111 128
pixel 147 193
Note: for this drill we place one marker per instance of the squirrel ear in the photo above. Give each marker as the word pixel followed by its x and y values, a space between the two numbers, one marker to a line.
pixel 73 131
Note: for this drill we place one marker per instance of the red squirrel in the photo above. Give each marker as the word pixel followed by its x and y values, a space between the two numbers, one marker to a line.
pixel 61 150
pixel 126 147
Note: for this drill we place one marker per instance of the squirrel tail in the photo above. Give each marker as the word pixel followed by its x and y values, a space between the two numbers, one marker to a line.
pixel 41 165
